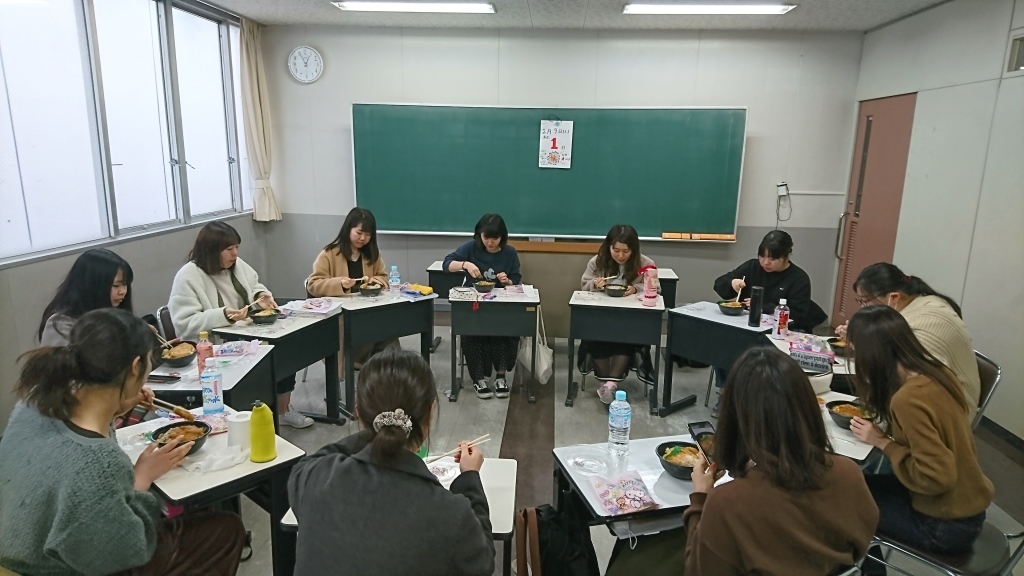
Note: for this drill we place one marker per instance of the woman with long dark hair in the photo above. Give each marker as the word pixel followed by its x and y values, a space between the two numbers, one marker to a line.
pixel 794 507
pixel 70 500
pixel 407 522
pixel 936 497
pixel 935 318
pixel 215 288
pixel 352 255
pixel 99 278
pixel 488 256
pixel 618 257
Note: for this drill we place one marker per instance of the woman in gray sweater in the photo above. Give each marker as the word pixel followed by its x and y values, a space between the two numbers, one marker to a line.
pixel 369 505
pixel 70 500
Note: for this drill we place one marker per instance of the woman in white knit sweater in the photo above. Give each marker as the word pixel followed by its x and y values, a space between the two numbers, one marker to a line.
pixel 213 289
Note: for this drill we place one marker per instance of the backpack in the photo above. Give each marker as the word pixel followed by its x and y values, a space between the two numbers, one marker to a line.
pixel 553 543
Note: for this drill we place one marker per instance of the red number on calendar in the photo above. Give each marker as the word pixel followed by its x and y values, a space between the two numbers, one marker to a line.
pixel 554 143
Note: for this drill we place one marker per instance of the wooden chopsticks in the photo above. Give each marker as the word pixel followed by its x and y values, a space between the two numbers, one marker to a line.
pixel 472 444
pixel 178 410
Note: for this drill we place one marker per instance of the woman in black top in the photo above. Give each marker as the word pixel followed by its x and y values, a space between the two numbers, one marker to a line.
pixel 780 278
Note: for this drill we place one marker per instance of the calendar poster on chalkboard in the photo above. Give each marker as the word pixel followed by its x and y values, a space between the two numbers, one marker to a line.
pixel 555 144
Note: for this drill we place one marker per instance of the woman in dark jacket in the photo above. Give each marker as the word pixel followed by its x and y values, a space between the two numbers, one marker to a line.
pixel 369 505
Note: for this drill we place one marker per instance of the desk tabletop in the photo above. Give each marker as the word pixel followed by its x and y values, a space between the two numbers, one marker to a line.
pixel 843 440
pixel 233 373
pixel 438 266
pixel 667 274
pixel 498 476
pixel 709 311
pixel 283 327
pixel 385 299
pixel 180 484
pixel 602 300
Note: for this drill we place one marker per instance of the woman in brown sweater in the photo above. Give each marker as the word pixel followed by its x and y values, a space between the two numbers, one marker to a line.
pixel 342 263
pixel 794 507
pixel 937 497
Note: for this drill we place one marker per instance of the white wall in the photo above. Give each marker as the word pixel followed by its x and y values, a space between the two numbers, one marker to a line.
pixel 799 88
pixel 960 220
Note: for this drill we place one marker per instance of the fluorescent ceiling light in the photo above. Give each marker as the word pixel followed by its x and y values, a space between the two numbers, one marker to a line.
pixel 432 7
pixel 708 9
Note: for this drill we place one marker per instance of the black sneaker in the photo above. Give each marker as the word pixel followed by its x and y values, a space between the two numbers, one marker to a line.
pixel 482 391
pixel 500 388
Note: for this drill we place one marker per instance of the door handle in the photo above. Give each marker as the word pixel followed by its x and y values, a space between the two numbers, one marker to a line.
pixel 839 234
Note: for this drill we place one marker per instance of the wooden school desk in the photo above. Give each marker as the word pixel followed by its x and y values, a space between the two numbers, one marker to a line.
pixel 246 380
pixel 508 314
pixel 265 484
pixel 298 342
pixel 498 476
pixel 702 333
pixel 625 320
pixel 377 319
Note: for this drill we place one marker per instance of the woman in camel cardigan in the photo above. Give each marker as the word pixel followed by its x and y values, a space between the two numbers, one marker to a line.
pixel 336 272
pixel 213 289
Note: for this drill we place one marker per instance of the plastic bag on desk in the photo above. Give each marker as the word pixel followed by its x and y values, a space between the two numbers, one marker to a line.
pixel 219 459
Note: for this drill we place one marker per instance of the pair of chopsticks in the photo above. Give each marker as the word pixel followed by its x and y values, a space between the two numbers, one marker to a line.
pixel 472 444
pixel 163 342
pixel 250 306
pixel 178 410
pixel 740 291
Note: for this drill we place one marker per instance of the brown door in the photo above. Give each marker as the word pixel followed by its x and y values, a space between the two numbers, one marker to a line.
pixel 867 228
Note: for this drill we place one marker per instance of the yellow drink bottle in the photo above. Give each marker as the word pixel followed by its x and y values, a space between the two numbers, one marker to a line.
pixel 263 442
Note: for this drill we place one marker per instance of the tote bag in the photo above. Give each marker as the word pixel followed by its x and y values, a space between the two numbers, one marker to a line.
pixel 545 357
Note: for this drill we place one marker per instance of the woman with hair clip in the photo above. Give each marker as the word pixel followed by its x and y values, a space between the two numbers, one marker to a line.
pixel 370 504
pixel 488 257
pixel 215 288
pixel 70 500
pixel 352 255
pixel 617 263
pixel 936 497
pixel 793 507
pixel 781 279
pixel 935 318
pixel 99 278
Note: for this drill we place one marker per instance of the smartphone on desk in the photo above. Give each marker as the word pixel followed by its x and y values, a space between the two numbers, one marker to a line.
pixel 161 379
pixel 703 434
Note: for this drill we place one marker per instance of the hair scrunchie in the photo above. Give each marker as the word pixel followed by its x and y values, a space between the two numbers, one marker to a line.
pixel 397 418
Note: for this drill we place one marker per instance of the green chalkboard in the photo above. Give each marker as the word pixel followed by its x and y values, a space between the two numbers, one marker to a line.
pixel 439 168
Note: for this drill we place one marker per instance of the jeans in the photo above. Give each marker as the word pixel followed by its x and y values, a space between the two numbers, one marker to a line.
pixel 898 519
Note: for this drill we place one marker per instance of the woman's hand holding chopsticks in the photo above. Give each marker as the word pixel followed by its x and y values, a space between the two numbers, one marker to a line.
pixel 469 458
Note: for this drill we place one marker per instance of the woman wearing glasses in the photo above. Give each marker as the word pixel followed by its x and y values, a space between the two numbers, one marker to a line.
pixel 935 318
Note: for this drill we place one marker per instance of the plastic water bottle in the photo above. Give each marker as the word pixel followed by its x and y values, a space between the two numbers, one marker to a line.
pixel 780 323
pixel 204 351
pixel 213 392
pixel 620 416
pixel 395 279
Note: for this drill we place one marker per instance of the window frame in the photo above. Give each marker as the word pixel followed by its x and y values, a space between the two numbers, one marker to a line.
pixel 112 232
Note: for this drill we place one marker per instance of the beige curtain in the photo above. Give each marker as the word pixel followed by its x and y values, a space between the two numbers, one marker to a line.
pixel 256 114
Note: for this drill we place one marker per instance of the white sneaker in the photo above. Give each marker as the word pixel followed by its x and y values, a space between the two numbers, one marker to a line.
pixel 295 420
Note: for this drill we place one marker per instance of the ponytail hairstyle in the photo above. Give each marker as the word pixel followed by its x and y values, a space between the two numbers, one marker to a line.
pixel 396 387
pixel 101 349
pixel 883 278
pixel 884 342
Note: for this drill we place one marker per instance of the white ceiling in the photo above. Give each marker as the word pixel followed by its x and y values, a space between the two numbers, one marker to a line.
pixel 857 15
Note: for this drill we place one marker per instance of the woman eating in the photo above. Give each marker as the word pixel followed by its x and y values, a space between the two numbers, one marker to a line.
pixel 781 279
pixel 793 507
pixel 488 257
pixel 617 263
pixel 70 500
pixel 936 497
pixel 370 504
pixel 351 260
pixel 935 318
pixel 216 288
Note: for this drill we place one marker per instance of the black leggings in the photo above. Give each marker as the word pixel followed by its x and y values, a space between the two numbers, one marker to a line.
pixel 485 352
pixel 898 519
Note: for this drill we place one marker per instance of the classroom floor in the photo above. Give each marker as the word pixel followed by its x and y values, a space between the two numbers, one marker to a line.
pixel 528 432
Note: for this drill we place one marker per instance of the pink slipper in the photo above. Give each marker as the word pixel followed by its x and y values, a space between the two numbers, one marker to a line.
pixel 607 392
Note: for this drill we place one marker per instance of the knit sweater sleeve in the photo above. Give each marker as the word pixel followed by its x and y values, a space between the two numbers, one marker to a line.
pixel 701 559
pixel 103 501
pixel 589 275
pixel 475 552
pixel 922 461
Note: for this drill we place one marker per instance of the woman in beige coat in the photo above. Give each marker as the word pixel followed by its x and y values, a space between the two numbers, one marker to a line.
pixel 342 263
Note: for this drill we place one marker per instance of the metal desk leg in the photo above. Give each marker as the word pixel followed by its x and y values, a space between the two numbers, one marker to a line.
pixel 667 407
pixel 453 396
pixel 349 407
pixel 506 558
pixel 531 389
pixel 652 398
pixel 282 543
pixel 570 396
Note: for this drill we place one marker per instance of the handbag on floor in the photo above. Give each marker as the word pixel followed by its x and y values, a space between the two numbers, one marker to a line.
pixel 553 543
pixel 545 357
